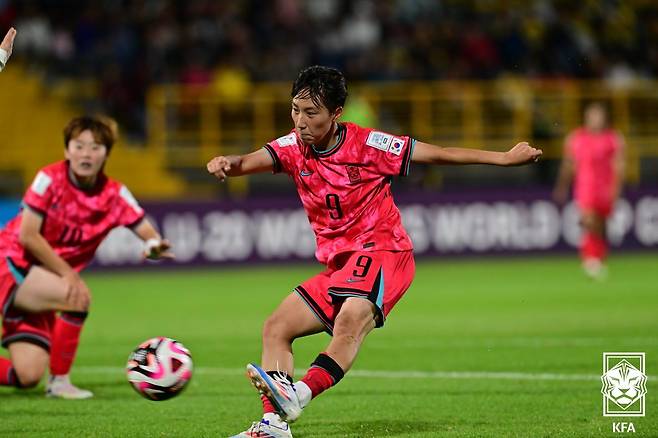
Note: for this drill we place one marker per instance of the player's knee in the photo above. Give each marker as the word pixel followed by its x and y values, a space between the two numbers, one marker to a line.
pixel 82 308
pixel 28 377
pixel 352 322
pixel 275 328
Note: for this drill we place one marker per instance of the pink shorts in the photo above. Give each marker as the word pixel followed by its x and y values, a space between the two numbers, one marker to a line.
pixel 17 325
pixel 602 207
pixel 381 277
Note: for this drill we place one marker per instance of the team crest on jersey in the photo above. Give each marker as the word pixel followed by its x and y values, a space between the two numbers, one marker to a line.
pixel 287 140
pixel 379 140
pixel 396 146
pixel 353 174
pixel 41 183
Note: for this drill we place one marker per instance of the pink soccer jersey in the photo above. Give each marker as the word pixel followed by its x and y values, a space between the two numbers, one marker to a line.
pixel 75 221
pixel 346 190
pixel 593 155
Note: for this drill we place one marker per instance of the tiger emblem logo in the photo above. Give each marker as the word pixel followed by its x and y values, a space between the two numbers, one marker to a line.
pixel 624 384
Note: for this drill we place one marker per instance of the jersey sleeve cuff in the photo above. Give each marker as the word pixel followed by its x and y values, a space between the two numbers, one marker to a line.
pixel 34 209
pixel 406 159
pixel 134 224
pixel 276 163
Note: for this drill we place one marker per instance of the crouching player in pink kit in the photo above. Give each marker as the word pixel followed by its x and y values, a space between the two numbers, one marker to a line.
pixel 342 172
pixel 594 159
pixel 67 212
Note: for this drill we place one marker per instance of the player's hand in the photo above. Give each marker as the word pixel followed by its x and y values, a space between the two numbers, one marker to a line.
pixel 6 47
pixel 220 167
pixel 8 42
pixel 158 249
pixel 522 153
pixel 77 292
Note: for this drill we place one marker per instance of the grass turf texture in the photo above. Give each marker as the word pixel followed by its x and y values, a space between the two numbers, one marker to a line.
pixel 529 316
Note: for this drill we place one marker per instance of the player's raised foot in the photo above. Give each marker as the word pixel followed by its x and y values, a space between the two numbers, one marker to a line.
pixel 270 426
pixel 278 390
pixel 61 387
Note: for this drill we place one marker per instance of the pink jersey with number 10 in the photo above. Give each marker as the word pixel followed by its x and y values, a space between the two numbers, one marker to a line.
pixel 75 221
pixel 346 190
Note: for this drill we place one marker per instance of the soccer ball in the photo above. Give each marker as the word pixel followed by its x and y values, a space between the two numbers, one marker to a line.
pixel 159 368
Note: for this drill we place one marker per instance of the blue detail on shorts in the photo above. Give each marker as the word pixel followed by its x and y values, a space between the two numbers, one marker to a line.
pixel 18 275
pixel 380 294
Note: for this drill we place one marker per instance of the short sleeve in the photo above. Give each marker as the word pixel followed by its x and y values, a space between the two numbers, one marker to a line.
pixel 131 213
pixel 391 154
pixel 40 193
pixel 282 151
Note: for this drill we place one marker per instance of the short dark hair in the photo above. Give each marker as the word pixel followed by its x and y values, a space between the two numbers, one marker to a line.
pixel 324 85
pixel 103 130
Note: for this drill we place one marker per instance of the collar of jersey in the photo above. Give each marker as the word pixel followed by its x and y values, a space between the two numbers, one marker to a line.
pixel 95 189
pixel 342 130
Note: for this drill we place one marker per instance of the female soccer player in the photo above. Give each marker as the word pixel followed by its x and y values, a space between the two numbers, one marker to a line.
pixel 342 172
pixel 66 213
pixel 594 158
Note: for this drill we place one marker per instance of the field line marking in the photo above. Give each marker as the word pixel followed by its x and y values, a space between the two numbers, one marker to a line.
pixel 401 374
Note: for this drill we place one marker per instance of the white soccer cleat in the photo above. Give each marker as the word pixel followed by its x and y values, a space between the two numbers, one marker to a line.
pixel 61 387
pixel 266 429
pixel 278 390
pixel 595 269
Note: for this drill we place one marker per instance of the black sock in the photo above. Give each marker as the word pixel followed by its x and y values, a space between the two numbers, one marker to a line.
pixel 329 365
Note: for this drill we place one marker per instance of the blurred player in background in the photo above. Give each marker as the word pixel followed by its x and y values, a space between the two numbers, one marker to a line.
pixel 66 213
pixel 343 173
pixel 594 159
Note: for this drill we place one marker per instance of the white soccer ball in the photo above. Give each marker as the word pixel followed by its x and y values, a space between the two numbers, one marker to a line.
pixel 159 368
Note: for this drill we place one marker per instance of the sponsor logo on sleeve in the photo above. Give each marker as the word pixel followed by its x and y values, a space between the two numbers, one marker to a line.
pixel 41 183
pixel 287 140
pixel 379 140
pixel 130 199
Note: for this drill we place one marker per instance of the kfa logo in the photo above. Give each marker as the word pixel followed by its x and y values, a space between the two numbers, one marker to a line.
pixel 353 174
pixel 624 384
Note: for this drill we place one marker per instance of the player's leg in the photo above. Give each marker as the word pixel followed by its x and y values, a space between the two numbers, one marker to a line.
pixel 43 291
pixel 363 290
pixel 354 321
pixel 292 319
pixel 356 318
pixel 371 284
pixel 593 248
pixel 27 337
pixel 29 363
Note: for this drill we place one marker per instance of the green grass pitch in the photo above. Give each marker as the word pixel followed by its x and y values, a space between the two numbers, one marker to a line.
pixel 506 347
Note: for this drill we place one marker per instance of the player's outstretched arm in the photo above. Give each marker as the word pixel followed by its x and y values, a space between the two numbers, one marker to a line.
pixel 6 47
pixel 520 154
pixel 155 247
pixel 238 165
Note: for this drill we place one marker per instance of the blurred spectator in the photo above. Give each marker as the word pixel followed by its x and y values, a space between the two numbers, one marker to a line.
pixel 198 41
